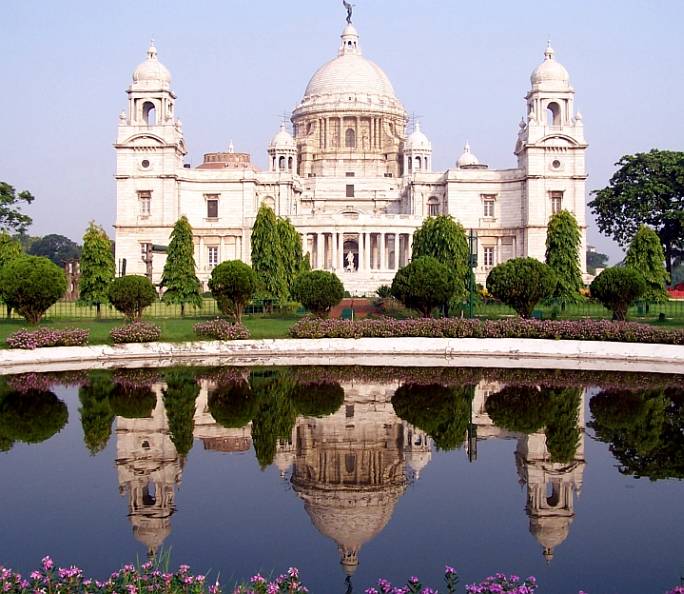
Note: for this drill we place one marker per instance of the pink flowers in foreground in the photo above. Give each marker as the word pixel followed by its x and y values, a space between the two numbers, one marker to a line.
pixel 47 337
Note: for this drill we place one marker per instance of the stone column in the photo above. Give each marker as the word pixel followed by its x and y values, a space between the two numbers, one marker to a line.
pixel 497 254
pixel 320 239
pixel 200 259
pixel 222 250
pixel 383 253
pixel 396 251
pixel 366 252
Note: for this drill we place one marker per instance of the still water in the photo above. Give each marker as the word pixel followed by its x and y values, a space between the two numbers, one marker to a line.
pixel 349 474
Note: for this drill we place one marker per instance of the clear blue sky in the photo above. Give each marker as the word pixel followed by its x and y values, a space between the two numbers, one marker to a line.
pixel 236 64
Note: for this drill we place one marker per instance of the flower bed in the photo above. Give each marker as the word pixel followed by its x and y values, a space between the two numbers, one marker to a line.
pixel 602 330
pixel 138 331
pixel 219 329
pixel 47 337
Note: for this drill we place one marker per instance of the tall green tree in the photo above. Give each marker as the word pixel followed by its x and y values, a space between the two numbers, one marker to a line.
pixel 647 189
pixel 563 242
pixel 294 262
pixel 97 268
pixel 267 256
pixel 645 254
pixel 596 260
pixel 180 395
pixel 56 248
pixel 179 281
pixel 11 217
pixel 10 249
pixel 445 240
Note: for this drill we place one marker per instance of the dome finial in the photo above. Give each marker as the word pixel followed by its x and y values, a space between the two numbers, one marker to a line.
pixel 152 51
pixel 548 53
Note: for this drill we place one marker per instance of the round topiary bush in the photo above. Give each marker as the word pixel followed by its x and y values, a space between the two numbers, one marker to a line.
pixel 233 284
pixel 317 399
pixel 521 283
pixel 131 295
pixel 319 291
pixel 32 416
pixel 617 288
pixel 424 284
pixel 233 405
pixel 31 284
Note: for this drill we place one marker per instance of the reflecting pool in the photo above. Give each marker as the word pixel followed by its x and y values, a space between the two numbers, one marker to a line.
pixel 349 474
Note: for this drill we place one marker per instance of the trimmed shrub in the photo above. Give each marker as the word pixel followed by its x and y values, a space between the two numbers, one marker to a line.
pixel 233 284
pixel 424 284
pixel 319 291
pixel 617 288
pixel 318 399
pixel 221 330
pixel 521 283
pixel 31 284
pixel 131 295
pixel 138 331
pixel 47 337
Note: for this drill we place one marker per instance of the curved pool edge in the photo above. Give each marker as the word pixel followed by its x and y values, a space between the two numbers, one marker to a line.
pixel 399 352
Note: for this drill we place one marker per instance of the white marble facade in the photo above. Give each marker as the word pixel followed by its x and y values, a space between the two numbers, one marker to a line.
pixel 350 178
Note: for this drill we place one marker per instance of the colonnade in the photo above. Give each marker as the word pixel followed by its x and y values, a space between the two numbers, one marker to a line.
pixel 352 251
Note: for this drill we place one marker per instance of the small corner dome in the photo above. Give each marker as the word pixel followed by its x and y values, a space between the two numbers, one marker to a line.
pixel 550 72
pixel 282 140
pixel 418 140
pixel 152 70
pixel 467 159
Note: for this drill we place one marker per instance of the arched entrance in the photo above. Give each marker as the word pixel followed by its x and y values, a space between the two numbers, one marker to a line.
pixel 351 246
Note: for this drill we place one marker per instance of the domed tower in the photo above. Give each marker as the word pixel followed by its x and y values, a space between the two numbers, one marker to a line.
pixel 551 149
pixel 282 152
pixel 350 121
pixel 417 152
pixel 468 160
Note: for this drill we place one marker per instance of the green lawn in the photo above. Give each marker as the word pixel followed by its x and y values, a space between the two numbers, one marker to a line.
pixel 173 330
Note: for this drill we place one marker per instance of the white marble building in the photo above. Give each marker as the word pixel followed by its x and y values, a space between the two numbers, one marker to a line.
pixel 350 178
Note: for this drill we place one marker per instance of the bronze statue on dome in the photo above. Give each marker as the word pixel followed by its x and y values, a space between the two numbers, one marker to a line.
pixel 349 8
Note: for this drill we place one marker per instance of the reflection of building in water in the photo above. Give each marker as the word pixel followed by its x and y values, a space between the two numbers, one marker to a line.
pixel 350 468
pixel 149 469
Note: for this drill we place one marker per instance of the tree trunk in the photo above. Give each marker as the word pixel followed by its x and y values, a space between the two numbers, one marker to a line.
pixel 182 310
pixel 668 257
pixel 98 311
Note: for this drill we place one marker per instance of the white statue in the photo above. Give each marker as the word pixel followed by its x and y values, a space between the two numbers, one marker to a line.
pixel 350 262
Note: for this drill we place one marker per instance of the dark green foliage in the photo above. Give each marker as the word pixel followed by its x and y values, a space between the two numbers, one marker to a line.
pixel 294 262
pixel 617 288
pixel 522 409
pixel 96 411
pixel 10 249
pixel 56 248
pixel 180 395
pixel 179 281
pixel 647 189
pixel 233 284
pixel 596 260
pixel 521 283
pixel 131 295
pixel 31 284
pixel 97 267
pixel 32 416
pixel 11 217
pixel 644 430
pixel 562 423
pixel 563 242
pixel 276 414
pixel 384 291
pixel 424 284
pixel 267 256
pixel 645 254
pixel 319 291
pixel 132 402
pixel 318 399
pixel 445 240
pixel 443 412
pixel 232 404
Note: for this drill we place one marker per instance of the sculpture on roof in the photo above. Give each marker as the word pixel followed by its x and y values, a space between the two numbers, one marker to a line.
pixel 349 8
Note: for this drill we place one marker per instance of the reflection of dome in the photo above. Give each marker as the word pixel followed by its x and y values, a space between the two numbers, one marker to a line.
pixel 418 140
pixel 550 532
pixel 152 532
pixel 418 460
pixel 550 75
pixel 152 73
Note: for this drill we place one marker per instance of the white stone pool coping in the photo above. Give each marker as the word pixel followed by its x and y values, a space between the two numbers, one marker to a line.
pixel 400 352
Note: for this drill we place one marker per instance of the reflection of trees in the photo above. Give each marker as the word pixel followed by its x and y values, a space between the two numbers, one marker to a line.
pixel 521 409
pixel 132 401
pixel 96 411
pixel 644 430
pixel 443 412
pixel 562 424
pixel 232 404
pixel 317 399
pixel 32 416
pixel 180 395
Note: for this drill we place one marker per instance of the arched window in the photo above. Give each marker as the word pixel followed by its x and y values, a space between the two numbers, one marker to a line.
pixel 418 164
pixel 553 114
pixel 350 138
pixel 289 164
pixel 281 164
pixel 149 113
pixel 410 164
pixel 433 207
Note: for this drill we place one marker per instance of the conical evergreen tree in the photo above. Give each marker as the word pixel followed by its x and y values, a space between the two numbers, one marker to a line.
pixel 179 279
pixel 267 256
pixel 96 412
pixel 97 267
pixel 294 262
pixel 646 255
pixel 563 241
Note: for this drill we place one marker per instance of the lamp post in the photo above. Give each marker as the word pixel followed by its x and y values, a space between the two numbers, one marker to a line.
pixel 472 263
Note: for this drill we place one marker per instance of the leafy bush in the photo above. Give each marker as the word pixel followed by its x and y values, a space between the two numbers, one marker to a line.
pixel 319 291
pixel 318 399
pixel 601 330
pixel 138 331
pixel 32 416
pixel 232 404
pixel 221 330
pixel 131 295
pixel 423 284
pixel 132 402
pixel 31 284
pixel 233 284
pixel 384 291
pixel 47 337
pixel 521 283
pixel 617 288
